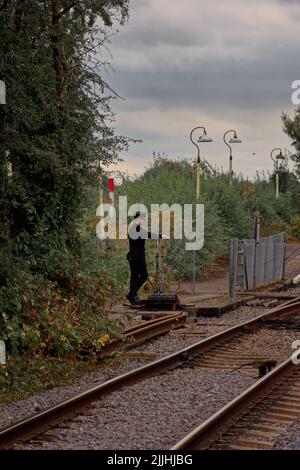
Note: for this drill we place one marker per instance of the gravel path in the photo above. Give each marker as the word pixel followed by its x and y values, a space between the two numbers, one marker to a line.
pixel 153 414
pixel 292 268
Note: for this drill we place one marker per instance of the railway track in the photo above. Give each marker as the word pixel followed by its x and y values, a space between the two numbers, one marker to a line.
pixel 188 357
pixel 253 420
pixel 145 331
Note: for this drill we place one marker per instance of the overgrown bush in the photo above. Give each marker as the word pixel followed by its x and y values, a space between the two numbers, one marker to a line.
pixel 229 212
pixel 55 132
pixel 294 229
pixel 38 317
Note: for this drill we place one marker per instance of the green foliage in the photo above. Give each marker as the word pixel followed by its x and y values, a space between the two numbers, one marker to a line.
pixel 294 229
pixel 56 130
pixel 36 317
pixel 19 382
pixel 229 212
pixel 291 127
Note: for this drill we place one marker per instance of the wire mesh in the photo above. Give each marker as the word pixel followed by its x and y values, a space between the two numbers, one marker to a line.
pixel 174 269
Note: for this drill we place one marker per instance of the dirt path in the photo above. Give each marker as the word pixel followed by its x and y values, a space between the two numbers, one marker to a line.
pixel 292 267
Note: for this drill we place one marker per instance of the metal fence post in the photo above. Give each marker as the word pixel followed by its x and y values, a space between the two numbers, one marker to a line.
pixel 257 241
pixel 284 257
pixel 2 353
pixel 233 267
pixel 194 272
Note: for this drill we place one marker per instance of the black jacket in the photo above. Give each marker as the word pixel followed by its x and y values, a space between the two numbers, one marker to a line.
pixel 137 247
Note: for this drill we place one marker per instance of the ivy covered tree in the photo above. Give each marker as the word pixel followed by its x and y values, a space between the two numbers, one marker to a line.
pixel 56 127
pixel 56 131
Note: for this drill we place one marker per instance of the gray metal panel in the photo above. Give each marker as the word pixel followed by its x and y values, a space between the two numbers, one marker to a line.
pixel 249 250
pixel 233 267
pixel 241 273
pixel 258 264
pixel 279 255
pixel 270 260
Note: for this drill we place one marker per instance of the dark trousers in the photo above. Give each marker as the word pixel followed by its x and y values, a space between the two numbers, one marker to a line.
pixel 138 274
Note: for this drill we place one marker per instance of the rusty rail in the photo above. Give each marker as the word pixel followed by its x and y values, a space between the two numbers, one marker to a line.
pixel 144 331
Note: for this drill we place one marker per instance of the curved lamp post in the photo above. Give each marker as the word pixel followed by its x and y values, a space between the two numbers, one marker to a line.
pixel 233 140
pixel 276 161
pixel 202 139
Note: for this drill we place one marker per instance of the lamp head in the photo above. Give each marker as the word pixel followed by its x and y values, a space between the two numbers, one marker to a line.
pixel 205 138
pixel 235 139
pixel 280 156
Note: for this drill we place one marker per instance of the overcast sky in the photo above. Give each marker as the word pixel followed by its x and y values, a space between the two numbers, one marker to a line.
pixel 219 64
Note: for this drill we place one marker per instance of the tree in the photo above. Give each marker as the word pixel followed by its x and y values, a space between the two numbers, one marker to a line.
pixel 292 128
pixel 57 123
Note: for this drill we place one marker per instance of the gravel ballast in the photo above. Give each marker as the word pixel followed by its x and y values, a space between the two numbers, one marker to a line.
pixel 273 343
pixel 18 410
pixel 164 345
pixel 290 438
pixel 183 394
pixel 153 414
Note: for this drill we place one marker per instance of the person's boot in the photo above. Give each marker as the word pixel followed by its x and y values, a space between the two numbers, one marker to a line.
pixel 130 299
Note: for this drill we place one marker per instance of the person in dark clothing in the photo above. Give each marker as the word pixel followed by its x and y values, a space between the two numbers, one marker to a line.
pixel 136 256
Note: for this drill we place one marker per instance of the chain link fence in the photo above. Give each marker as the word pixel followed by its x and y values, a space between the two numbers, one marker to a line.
pixel 168 262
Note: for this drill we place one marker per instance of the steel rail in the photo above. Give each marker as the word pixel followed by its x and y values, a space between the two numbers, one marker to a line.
pixel 144 331
pixel 36 424
pixel 212 429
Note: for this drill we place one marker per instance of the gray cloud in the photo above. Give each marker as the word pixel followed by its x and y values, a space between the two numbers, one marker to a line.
pixel 225 61
pixel 155 34
pixel 263 82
